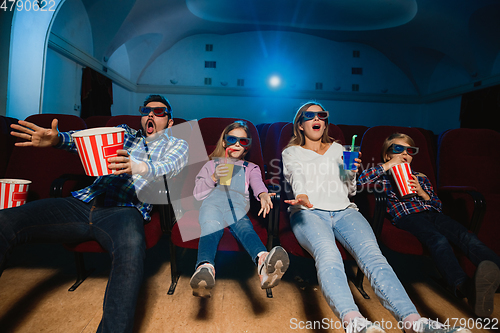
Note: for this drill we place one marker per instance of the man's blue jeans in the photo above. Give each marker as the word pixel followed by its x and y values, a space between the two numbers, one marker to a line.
pixel 316 230
pixel 119 230
pixel 436 231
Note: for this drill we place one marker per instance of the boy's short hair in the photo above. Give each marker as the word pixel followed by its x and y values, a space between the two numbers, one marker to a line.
pixel 390 139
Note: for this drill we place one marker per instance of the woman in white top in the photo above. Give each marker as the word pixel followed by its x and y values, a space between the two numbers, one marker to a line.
pixel 321 212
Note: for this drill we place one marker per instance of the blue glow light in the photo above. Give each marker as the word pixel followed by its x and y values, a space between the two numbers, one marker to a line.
pixel 275 81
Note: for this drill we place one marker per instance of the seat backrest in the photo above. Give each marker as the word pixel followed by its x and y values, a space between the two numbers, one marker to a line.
pixel 270 147
pixel 350 130
pixel 43 165
pixel 97 121
pixel 374 137
pixel 263 131
pixel 431 146
pixel 133 122
pixel 6 142
pixel 470 157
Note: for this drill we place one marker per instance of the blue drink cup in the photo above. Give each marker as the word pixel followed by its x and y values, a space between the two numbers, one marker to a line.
pixel 349 157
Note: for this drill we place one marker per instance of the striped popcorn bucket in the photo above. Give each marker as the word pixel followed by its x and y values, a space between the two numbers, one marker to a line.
pixel 402 174
pixel 13 192
pixel 96 145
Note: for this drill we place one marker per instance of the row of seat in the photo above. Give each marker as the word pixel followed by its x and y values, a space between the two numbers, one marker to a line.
pixel 276 228
pixel 461 164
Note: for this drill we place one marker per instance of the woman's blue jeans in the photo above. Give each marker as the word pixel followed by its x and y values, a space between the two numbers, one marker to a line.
pixel 436 231
pixel 119 230
pixel 316 230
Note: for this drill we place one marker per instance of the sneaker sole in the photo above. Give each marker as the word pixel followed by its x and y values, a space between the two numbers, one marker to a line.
pixel 486 283
pixel 374 329
pixel 277 263
pixel 202 283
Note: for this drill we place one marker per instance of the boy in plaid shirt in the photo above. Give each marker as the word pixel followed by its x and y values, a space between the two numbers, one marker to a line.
pixel 421 215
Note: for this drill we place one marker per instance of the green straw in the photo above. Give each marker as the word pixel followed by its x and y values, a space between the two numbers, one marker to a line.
pixel 353 139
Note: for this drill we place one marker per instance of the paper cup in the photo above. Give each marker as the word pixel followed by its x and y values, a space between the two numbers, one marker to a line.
pixel 229 163
pixel 349 156
pixel 13 192
pixel 96 145
pixel 402 174
pixel 226 180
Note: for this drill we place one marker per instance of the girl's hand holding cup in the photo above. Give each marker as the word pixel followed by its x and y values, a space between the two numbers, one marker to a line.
pixel 220 171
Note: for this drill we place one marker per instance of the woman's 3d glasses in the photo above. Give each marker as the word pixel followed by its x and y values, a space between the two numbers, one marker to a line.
pixel 399 149
pixel 158 111
pixel 231 140
pixel 308 115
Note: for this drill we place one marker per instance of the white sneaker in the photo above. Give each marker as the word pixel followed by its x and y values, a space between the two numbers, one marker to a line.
pixel 272 265
pixel 363 325
pixel 425 325
pixel 203 280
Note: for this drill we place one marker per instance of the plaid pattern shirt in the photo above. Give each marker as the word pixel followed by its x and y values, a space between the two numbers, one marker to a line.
pixel 165 155
pixel 396 206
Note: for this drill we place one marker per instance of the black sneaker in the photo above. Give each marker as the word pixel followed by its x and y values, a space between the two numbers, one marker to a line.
pixel 486 282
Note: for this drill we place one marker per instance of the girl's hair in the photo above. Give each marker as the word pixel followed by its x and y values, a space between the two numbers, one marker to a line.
pixel 390 140
pixel 298 138
pixel 220 150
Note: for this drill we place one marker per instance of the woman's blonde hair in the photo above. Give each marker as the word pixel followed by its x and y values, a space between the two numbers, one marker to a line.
pixel 220 149
pixel 298 138
pixel 390 140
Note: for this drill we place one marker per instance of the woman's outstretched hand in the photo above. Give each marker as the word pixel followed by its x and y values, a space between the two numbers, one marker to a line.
pixel 301 199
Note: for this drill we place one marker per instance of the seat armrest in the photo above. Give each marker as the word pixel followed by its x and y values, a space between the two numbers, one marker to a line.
pixel 274 215
pixel 379 212
pixel 476 196
pixel 167 217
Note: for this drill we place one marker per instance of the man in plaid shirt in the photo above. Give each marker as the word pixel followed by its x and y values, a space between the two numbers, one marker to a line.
pixel 108 211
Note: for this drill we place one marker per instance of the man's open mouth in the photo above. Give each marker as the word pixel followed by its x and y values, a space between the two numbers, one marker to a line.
pixel 150 126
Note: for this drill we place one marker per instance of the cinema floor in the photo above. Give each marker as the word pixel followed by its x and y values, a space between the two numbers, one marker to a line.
pixel 34 295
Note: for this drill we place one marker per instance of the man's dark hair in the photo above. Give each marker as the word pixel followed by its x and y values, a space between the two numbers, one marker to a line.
pixel 158 98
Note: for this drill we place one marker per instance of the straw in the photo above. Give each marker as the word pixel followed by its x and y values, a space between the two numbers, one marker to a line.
pixel 228 149
pixel 353 139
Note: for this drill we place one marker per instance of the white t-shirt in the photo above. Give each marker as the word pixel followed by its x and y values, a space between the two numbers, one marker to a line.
pixel 321 177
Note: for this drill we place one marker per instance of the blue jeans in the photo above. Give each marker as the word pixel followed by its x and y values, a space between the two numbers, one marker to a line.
pixel 242 230
pixel 316 231
pixel 119 230
pixel 436 231
pixel 226 206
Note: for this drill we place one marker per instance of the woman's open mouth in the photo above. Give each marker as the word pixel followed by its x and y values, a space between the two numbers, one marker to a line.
pixel 316 127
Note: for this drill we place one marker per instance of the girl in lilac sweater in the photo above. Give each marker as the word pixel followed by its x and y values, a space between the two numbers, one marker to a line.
pixel 225 204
